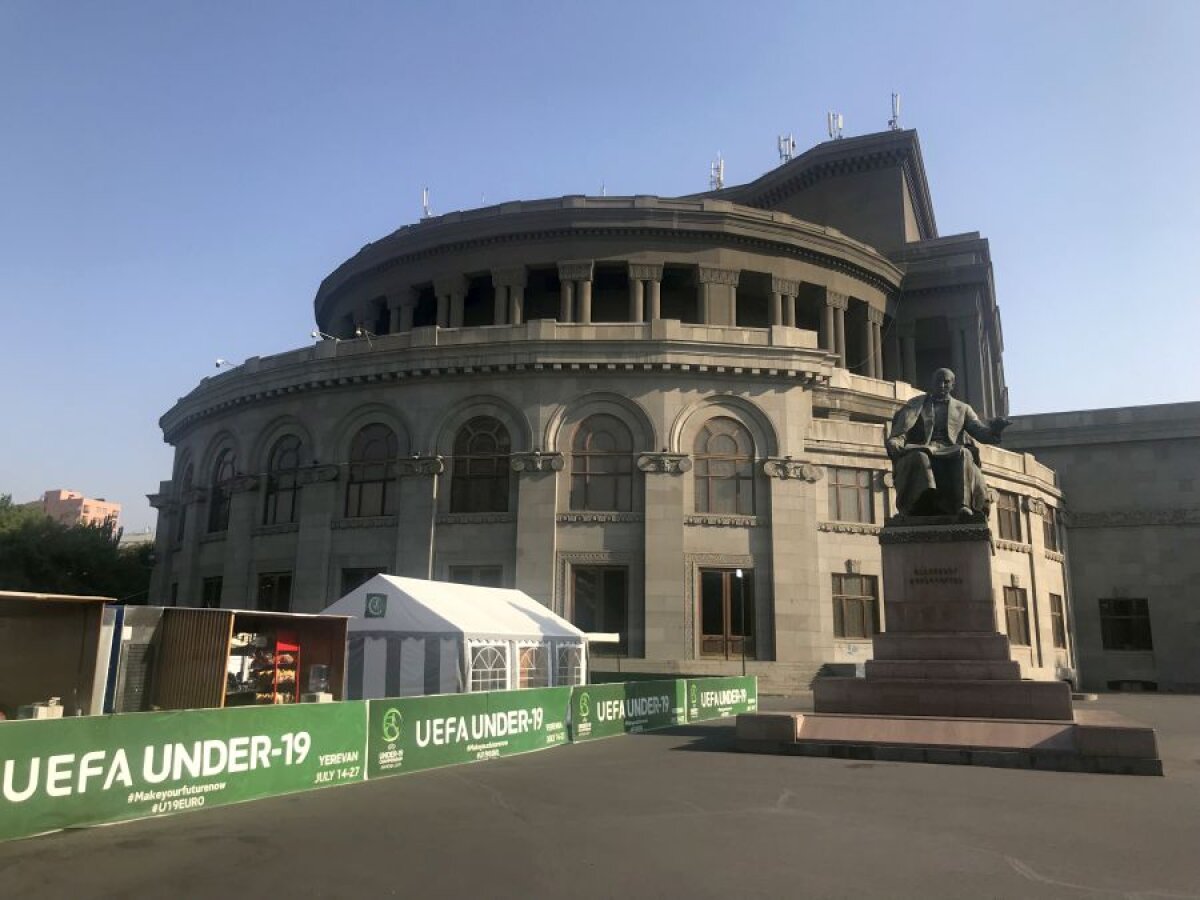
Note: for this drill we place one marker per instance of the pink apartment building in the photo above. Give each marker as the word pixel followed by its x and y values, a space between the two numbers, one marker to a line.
pixel 72 508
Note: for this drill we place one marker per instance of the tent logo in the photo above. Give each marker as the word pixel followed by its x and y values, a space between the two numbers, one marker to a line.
pixel 376 606
pixel 390 728
pixel 695 692
pixel 585 705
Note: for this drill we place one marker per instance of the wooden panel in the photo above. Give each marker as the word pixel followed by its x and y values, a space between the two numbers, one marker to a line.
pixel 48 649
pixel 192 654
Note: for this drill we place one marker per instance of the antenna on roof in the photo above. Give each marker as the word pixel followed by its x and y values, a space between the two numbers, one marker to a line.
pixel 834 123
pixel 603 189
pixel 894 121
pixel 716 174
pixel 787 148
pixel 426 212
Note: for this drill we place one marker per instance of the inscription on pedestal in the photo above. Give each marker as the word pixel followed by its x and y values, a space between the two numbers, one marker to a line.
pixel 935 575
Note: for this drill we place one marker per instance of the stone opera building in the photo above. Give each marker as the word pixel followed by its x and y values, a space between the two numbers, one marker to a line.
pixel 662 417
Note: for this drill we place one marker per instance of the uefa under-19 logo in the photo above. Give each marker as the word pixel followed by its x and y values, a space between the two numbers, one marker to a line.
pixel 585 705
pixel 390 727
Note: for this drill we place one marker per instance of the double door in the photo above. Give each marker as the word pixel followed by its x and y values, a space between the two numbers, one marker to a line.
pixel 727 613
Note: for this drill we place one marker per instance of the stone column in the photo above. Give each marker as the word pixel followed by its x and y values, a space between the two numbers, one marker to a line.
pixel 964 332
pixel 802 623
pixel 500 305
pixel 511 284
pixel 908 342
pixel 394 315
pixel 570 272
pixel 891 352
pixel 193 506
pixel 838 303
pixel 652 276
pixel 446 289
pixel 827 342
pixel 312 586
pixel 164 536
pixel 236 590
pixel 537 530
pixel 419 478
pixel 666 635
pixel 566 300
pixel 776 308
pixel 875 342
pixel 787 291
pixel 637 300
pixel 718 296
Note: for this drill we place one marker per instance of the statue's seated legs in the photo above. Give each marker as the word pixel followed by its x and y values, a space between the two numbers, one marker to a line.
pixel 939 481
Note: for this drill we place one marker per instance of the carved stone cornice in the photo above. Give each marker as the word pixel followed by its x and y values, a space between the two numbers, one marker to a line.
pixel 933 530
pixel 450 284
pixel 1132 518
pixel 366 522
pixel 194 495
pixel 849 527
pixel 239 484
pixel 836 300
pixel 537 462
pixel 874 316
pixel 1014 546
pixel 515 276
pixel 785 286
pixel 420 465
pixel 575 270
pixel 316 474
pixel 718 276
pixel 789 468
pixel 596 518
pixel 1054 556
pixel 282 528
pixel 723 521
pixel 475 518
pixel 1035 505
pixel 163 503
pixel 645 271
pixel 664 463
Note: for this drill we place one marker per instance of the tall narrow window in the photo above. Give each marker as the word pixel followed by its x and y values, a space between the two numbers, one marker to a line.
pixel 1058 621
pixel 282 487
pixel 221 491
pixel 602 465
pixel 600 603
pixel 1008 515
pixel 371 486
pixel 1050 528
pixel 724 452
pixel 1016 615
pixel 850 495
pixel 210 592
pixel 1125 623
pixel 185 489
pixel 479 482
pixel 855 606
pixel 275 592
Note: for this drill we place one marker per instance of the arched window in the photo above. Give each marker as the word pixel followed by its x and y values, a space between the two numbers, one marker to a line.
pixel 480 478
pixel 185 488
pixel 602 465
pixel 724 453
pixel 282 488
pixel 220 491
pixel 371 487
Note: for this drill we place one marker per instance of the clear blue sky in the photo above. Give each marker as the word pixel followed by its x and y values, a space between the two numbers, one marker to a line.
pixel 176 178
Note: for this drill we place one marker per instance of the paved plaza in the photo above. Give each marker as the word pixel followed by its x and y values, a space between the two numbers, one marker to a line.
pixel 669 814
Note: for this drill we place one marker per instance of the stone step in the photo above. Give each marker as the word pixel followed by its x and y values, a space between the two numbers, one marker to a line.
pixel 940 615
pixel 961 645
pixel 955 669
pixel 1037 700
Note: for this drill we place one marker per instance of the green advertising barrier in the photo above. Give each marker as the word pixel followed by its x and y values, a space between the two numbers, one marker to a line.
pixel 604 710
pixel 717 698
pixel 66 772
pixel 413 733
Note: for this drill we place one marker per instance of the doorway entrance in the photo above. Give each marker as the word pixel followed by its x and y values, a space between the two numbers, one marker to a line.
pixel 727 613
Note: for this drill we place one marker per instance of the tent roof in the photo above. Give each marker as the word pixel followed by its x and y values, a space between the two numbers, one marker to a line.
pixel 416 606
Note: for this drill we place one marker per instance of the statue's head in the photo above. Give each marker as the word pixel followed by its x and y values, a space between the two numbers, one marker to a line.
pixel 942 383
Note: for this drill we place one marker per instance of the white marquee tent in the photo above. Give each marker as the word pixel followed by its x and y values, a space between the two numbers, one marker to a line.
pixel 409 637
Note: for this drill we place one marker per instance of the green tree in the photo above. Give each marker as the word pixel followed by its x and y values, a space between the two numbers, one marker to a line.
pixel 39 554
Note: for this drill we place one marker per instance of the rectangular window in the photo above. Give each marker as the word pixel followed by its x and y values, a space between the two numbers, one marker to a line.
pixel 600 603
pixel 726 613
pixel 1125 624
pixel 1058 621
pixel 850 496
pixel 1008 516
pixel 356 578
pixel 855 606
pixel 1050 528
pixel 568 666
pixel 482 576
pixel 275 592
pixel 210 592
pixel 174 593
pixel 1016 615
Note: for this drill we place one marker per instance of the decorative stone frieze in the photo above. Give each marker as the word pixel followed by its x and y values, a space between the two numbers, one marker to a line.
pixel 316 474
pixel 421 465
pixel 645 272
pixel 597 518
pixel 282 528
pixel 537 462
pixel 475 518
pixel 450 284
pixel 1014 546
pixel 785 286
pixel 516 276
pixel 723 521
pixel 575 270
pixel 1035 505
pixel 1054 556
pixel 874 316
pixel 366 522
pixel 836 300
pixel 664 463
pixel 849 528
pixel 793 469
pixel 718 276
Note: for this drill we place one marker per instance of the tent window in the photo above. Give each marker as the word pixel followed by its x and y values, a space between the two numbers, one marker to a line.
pixel 535 668
pixel 489 669
pixel 569 669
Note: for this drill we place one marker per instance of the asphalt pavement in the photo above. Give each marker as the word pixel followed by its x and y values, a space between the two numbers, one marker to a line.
pixel 672 813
